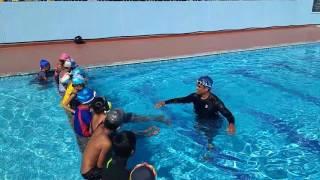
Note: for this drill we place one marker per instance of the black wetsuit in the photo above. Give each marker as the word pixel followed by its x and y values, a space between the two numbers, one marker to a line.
pixel 205 108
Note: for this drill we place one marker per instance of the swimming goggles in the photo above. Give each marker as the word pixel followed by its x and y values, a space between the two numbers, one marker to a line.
pixel 203 83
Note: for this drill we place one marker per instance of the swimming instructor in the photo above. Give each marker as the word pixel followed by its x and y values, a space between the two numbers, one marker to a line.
pixel 206 105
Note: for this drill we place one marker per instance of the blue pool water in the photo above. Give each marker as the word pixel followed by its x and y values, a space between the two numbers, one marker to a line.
pixel 274 95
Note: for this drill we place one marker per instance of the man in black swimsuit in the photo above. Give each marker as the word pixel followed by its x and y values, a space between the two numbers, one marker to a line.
pixel 206 105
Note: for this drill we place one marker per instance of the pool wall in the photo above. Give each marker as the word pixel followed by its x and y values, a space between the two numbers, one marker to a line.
pixel 42 21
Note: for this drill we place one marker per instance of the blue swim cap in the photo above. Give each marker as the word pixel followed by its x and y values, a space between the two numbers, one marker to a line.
pixel 78 79
pixel 79 71
pixel 44 63
pixel 205 81
pixel 85 95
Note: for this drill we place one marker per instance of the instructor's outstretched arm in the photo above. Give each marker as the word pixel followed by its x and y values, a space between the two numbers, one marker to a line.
pixel 186 99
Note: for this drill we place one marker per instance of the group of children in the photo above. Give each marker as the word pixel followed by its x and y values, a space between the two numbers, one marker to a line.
pixel 105 149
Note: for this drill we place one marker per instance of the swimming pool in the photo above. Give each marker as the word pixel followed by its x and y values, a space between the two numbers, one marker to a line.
pixel 274 95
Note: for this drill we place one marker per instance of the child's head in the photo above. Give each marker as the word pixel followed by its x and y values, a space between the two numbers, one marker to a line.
pixel 67 65
pixel 44 65
pixel 63 57
pixel 78 82
pixel 85 96
pixel 114 120
pixel 143 171
pixel 124 144
pixel 100 105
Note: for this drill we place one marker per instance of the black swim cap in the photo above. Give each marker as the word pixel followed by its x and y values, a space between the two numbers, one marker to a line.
pixel 114 119
pixel 124 144
pixel 99 105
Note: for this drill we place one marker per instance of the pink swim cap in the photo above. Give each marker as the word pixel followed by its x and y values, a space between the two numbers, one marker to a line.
pixel 64 56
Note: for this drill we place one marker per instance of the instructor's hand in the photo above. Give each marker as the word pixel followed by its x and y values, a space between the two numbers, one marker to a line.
pixel 160 104
pixel 231 129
